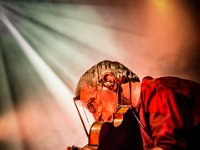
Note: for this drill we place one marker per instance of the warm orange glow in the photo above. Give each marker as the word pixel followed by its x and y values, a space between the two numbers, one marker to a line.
pixel 151 37
pixel 161 4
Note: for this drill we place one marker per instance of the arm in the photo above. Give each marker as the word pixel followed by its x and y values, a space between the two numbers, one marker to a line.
pixel 161 114
pixel 164 119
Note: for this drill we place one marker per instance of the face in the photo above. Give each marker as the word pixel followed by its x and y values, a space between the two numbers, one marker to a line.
pixel 100 101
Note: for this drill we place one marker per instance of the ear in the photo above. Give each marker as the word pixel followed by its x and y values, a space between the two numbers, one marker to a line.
pixel 110 81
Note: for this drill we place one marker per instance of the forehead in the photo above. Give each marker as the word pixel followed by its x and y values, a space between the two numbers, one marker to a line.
pixel 85 93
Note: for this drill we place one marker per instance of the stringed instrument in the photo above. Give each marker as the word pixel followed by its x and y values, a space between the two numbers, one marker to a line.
pixel 122 133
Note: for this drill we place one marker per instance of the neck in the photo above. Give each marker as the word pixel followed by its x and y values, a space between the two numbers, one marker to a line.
pixel 135 92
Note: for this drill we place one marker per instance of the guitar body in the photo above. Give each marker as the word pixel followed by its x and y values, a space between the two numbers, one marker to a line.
pixel 123 133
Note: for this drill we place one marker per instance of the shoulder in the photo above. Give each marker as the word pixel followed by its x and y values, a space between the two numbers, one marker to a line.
pixel 170 81
pixel 175 84
pixel 149 87
pixel 150 82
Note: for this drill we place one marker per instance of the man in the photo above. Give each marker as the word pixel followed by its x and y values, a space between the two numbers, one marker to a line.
pixel 168 108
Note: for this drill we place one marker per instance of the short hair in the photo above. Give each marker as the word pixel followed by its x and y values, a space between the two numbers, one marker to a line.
pixel 93 76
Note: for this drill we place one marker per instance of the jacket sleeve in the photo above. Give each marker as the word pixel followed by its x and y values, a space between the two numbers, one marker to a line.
pixel 162 118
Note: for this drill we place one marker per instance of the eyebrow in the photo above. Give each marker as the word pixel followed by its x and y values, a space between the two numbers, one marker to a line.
pixel 76 98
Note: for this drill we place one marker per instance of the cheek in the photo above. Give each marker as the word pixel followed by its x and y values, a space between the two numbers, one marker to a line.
pixel 107 100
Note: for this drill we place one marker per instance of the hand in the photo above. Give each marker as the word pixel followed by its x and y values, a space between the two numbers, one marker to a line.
pixel 84 148
pixel 157 148
pixel 73 148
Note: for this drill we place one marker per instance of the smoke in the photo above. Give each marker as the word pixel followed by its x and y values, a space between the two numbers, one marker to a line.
pixel 159 38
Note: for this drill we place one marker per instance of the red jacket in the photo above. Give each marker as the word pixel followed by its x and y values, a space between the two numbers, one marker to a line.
pixel 169 109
